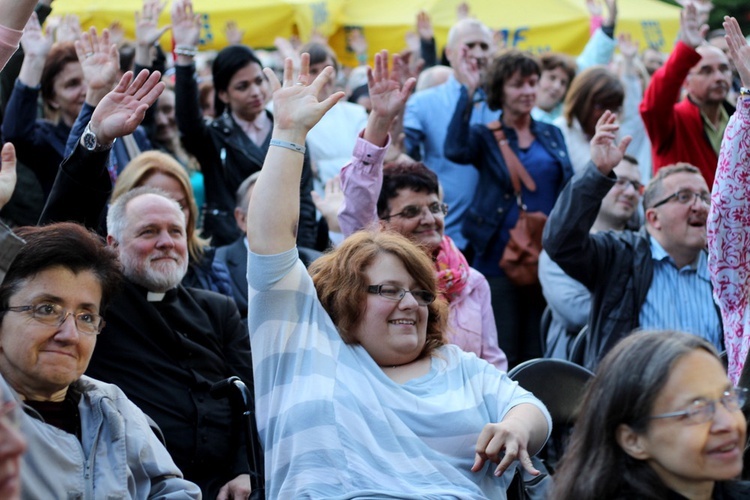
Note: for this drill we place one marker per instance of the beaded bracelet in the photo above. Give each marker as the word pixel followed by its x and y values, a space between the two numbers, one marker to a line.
pixel 186 50
pixel 288 145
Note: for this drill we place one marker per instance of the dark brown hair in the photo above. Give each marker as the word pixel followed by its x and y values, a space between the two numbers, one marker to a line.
pixel 502 69
pixel 405 175
pixel 595 86
pixel 59 56
pixel 655 187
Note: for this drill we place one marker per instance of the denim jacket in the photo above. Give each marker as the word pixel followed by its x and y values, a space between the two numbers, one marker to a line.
pixel 494 197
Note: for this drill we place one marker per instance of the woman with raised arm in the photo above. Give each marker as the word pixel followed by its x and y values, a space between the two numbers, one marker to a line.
pixel 356 393
pixel 729 217
pixel 404 197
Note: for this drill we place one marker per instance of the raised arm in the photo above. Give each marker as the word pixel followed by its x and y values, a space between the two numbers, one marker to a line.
pixel 361 178
pixel 729 217
pixel 273 213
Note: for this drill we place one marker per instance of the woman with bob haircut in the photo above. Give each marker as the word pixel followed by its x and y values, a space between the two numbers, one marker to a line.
pixel 160 170
pixel 510 83
pixel 86 438
pixel 591 93
pixel 404 197
pixel 232 146
pixel 356 393
pixel 660 420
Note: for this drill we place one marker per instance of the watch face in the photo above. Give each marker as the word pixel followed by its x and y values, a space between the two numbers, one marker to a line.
pixel 89 140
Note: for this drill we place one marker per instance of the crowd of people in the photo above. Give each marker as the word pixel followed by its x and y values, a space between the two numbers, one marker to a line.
pixel 336 239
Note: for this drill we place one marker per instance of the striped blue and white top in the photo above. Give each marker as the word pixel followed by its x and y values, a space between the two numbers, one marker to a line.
pixel 333 425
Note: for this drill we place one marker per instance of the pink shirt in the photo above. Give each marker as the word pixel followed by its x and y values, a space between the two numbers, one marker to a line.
pixel 471 322
pixel 729 237
pixel 9 40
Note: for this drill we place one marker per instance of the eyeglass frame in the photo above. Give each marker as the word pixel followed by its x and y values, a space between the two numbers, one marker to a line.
pixel 442 208
pixel 32 310
pixel 738 393
pixel 623 183
pixel 377 290
pixel 677 193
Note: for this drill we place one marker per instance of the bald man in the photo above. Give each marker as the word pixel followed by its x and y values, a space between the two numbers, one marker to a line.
pixel 689 130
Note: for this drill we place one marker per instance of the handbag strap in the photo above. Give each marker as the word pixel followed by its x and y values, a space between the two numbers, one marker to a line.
pixel 518 173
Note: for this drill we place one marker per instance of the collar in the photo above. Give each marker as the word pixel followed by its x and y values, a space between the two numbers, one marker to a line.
pixel 260 123
pixel 658 254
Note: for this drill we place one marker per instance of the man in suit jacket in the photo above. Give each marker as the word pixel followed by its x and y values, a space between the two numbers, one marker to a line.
pixel 234 255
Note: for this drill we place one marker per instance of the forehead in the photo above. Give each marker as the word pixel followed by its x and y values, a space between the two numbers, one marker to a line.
pixel 61 285
pixel 558 72
pixel 684 180
pixel 70 70
pixel 407 196
pixel 472 33
pixel 250 72
pixel 151 209
pixel 387 268
pixel 166 98
pixel 627 170
pixel 695 375
pixel 710 56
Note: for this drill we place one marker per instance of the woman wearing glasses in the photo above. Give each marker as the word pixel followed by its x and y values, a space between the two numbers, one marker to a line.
pixel 356 394
pixel 86 439
pixel 404 197
pixel 661 420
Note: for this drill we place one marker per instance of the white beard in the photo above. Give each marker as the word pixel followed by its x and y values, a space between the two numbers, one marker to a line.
pixel 155 277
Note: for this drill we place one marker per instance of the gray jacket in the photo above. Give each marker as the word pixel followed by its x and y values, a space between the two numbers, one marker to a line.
pixel 118 456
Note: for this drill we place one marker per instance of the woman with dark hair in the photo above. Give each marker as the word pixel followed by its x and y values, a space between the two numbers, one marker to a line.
pixel 591 93
pixel 357 394
pixel 510 84
pixel 558 70
pixel 397 196
pixel 660 420
pixel 86 438
pixel 53 70
pixel 233 145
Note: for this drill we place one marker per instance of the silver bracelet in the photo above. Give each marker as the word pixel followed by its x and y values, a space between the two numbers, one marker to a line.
pixel 186 50
pixel 288 145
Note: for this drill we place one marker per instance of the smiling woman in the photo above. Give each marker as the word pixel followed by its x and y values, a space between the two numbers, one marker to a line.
pixel 51 303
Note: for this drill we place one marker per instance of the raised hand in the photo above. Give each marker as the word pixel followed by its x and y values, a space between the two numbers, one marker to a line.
pixel 605 154
pixel 692 33
pixel 424 26
pixel 123 109
pixel 147 30
pixel 233 33
pixel 388 96
pixel 329 204
pixel 739 49
pixel 69 29
pixel 186 24
pixel 611 18
pixel 7 173
pixel 295 103
pixel 467 71
pixel 116 33
pixel 100 63
pixel 35 42
pixel 594 8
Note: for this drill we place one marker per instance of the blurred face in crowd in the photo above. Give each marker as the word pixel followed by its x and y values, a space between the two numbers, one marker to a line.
pixel 476 37
pixel 41 360
pixel 315 70
pixel 689 455
pixel 425 228
pixel 166 121
pixel 709 81
pixel 247 92
pixel 153 250
pixel 69 92
pixel 519 94
pixel 621 202
pixel 652 60
pixel 552 87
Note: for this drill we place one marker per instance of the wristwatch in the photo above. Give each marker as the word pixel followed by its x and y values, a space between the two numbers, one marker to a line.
pixel 89 141
pixel 744 92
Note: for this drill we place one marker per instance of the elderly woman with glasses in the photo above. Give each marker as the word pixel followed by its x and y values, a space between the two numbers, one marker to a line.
pixel 660 420
pixel 405 198
pixel 86 439
pixel 357 394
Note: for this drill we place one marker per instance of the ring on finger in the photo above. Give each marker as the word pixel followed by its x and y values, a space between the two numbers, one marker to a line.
pixel 89 54
pixel 299 83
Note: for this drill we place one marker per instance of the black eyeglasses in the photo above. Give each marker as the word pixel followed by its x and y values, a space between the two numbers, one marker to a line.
pixel 55 315
pixel 411 211
pixel 686 197
pixel 701 411
pixel 623 184
pixel 392 292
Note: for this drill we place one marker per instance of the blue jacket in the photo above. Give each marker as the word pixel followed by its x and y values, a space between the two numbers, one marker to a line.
pixel 476 144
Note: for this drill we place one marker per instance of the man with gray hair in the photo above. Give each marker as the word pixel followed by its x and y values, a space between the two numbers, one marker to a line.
pixel 429 112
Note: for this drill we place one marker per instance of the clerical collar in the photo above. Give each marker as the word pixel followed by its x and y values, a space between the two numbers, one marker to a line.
pixel 155 296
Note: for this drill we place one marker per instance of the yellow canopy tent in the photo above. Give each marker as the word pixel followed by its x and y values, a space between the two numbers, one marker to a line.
pixel 536 25
pixel 262 20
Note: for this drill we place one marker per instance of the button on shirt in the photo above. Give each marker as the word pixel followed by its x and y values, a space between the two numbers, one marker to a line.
pixel 681 299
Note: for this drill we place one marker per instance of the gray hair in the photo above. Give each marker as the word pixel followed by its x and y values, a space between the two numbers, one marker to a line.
pixel 117 219
pixel 465 24
pixel 241 200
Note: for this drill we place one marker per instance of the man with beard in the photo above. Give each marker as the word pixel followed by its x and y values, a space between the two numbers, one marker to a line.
pixel 163 344
pixel 653 279
pixel 689 130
